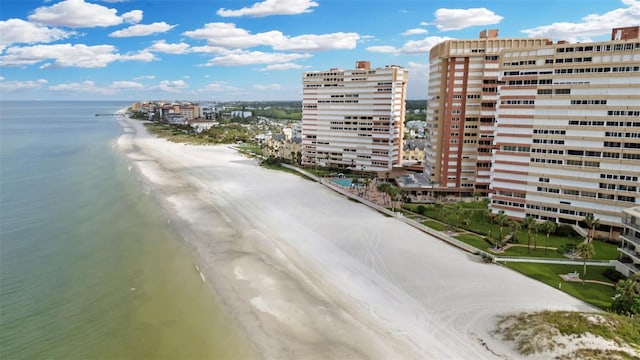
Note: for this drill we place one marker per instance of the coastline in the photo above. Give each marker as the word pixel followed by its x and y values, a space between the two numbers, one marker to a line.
pixel 307 273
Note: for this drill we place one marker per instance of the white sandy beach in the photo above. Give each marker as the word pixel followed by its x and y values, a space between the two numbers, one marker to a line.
pixel 309 274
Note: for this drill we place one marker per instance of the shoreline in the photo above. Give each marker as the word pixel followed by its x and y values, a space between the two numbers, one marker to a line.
pixel 307 273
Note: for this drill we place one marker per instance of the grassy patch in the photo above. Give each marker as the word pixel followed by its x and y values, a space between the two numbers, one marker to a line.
pixel 539 252
pixel 595 294
pixel 434 225
pixel 474 240
pixel 537 332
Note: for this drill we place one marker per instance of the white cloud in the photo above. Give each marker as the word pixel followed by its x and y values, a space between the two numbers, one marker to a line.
pixel 173 86
pixel 132 17
pixel 591 25
pixel 260 87
pixel 456 19
pixel 126 85
pixel 78 13
pixel 143 56
pixel 419 80
pixel 143 30
pixel 11 86
pixel 254 57
pixel 219 87
pixel 285 66
pixel 67 55
pixel 416 31
pixel 312 42
pixel 14 31
pixel 422 46
pixel 271 7
pixel 410 47
pixel 162 46
pixel 144 77
pixel 384 49
pixel 228 35
pixel 81 87
pixel 208 49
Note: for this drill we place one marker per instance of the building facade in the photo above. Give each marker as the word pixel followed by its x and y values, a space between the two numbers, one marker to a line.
pixel 567 132
pixel 354 118
pixel 461 106
pixel 629 250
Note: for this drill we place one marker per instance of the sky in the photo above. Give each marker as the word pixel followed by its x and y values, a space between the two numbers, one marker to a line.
pixel 227 50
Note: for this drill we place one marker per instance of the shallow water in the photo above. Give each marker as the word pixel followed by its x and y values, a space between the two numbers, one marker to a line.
pixel 89 266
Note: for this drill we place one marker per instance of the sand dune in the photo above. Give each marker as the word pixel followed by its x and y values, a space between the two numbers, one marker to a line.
pixel 309 274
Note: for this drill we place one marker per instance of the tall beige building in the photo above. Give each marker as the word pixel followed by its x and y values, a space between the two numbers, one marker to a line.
pixel 550 130
pixel 461 109
pixel 567 132
pixel 354 118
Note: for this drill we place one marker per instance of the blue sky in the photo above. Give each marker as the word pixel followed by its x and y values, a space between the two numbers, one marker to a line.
pixel 222 50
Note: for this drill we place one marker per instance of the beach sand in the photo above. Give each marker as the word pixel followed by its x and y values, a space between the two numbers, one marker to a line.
pixel 309 274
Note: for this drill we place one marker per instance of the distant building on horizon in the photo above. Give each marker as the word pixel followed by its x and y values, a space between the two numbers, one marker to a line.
pixel 354 118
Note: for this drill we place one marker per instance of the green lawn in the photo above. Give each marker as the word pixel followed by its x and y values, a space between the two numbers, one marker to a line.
pixel 594 294
pixel 474 240
pixel 481 225
pixel 539 252
pixel 434 225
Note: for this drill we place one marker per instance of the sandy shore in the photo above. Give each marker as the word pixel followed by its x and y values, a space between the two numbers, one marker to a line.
pixel 309 274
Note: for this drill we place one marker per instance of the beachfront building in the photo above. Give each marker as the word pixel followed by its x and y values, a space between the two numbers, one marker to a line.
pixel 461 110
pixel 629 250
pixel 567 132
pixel 354 118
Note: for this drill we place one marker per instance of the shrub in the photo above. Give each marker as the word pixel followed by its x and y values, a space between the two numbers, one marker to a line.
pixel 564 230
pixel 613 275
pixel 421 209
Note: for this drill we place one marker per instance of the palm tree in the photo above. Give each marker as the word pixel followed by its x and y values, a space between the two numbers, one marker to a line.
pixel 585 251
pixel 457 210
pixel 367 181
pixel 489 215
pixel 530 224
pixel 548 227
pixel 501 220
pixel 466 218
pixel 439 208
pixel 515 228
pixel 592 223
pixel 627 298
pixel 393 193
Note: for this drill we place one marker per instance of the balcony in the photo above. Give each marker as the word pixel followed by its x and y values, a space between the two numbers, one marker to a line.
pixel 631 253
pixel 631 222
pixel 631 239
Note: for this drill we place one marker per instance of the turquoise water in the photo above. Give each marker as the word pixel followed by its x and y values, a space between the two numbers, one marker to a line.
pixel 89 267
pixel 346 182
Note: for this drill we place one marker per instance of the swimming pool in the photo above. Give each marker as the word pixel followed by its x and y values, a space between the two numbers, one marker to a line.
pixel 346 182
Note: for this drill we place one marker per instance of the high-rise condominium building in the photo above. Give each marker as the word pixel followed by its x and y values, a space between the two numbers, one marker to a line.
pixel 567 132
pixel 354 118
pixel 461 109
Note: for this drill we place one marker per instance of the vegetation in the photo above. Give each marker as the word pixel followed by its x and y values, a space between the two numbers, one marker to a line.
pixel 586 252
pixel 225 134
pixel 627 298
pixel 599 295
pixel 548 326
pixel 591 223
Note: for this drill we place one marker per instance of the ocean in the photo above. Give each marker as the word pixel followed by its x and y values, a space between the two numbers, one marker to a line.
pixel 89 265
